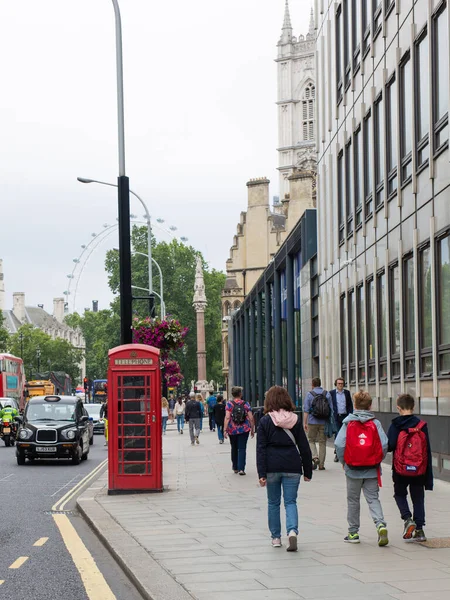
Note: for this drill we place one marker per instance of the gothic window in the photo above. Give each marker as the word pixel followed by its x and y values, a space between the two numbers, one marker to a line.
pixel 237 304
pixel 226 309
pixel 308 101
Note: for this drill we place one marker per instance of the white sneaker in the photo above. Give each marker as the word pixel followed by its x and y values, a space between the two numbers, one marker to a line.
pixel 276 542
pixel 292 542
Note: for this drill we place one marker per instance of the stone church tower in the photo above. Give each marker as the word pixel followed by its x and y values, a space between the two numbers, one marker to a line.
pixel 296 101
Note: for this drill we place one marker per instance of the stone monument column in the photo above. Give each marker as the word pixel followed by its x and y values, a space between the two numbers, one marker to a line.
pixel 199 305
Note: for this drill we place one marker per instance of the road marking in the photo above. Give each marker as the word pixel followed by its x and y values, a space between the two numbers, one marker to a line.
pixel 93 580
pixel 6 477
pixel 19 562
pixel 61 503
pixel 2 581
pixel 40 542
pixel 64 486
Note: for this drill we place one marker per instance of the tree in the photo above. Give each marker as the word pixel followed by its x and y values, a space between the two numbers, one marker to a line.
pixel 4 335
pixel 177 262
pixel 55 354
pixel 101 331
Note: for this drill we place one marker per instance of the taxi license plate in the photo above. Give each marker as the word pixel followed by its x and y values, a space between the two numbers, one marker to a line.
pixel 46 449
pixel 6 429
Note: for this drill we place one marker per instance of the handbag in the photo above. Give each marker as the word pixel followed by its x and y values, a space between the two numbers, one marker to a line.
pixel 291 435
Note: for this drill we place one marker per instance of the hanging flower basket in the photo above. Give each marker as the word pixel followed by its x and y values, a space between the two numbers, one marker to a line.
pixel 166 334
pixel 172 373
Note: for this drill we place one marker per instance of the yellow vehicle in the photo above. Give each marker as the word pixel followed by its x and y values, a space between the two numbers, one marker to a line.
pixel 40 387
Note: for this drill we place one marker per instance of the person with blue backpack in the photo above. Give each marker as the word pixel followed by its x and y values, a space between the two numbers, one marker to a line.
pixel 239 424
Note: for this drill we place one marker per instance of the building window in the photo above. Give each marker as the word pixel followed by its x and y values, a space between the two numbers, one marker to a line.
pixel 422 100
pixel 382 346
pixel 349 188
pixel 338 54
pixel 409 318
pixel 358 173
pixel 394 311
pixel 443 252
pixel 440 77
pixel 361 320
pixel 368 153
pixel 356 37
pixel 376 17
pixel 391 136
pixel 426 330
pixel 346 40
pixel 370 307
pixel 309 97
pixel 341 199
pixel 351 335
pixel 406 119
pixel 379 153
pixel 343 336
pixel 366 17
pixel 388 6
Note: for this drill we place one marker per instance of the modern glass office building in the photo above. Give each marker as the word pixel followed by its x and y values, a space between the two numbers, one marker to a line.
pixel 274 335
pixel 384 204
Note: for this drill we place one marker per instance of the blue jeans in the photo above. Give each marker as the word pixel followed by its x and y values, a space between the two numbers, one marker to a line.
pixel 239 450
pixel 289 482
pixel 180 422
pixel 220 432
pixel 164 424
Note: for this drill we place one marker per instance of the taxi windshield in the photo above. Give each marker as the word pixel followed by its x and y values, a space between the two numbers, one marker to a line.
pixel 50 412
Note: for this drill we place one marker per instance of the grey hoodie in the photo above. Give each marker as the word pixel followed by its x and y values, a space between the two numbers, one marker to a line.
pixel 363 416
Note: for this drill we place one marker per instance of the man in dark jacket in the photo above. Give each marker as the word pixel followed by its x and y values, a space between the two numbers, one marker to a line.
pixel 413 526
pixel 219 417
pixel 342 405
pixel 193 415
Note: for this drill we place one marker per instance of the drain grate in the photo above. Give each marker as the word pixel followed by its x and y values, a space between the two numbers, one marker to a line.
pixel 437 543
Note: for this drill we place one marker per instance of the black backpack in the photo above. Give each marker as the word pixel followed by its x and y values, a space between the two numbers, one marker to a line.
pixel 238 414
pixel 320 407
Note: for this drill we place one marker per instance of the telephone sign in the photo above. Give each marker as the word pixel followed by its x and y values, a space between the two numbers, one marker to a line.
pixel 134 420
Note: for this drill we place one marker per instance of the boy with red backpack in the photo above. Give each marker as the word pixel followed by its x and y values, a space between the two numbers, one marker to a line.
pixel 411 466
pixel 361 446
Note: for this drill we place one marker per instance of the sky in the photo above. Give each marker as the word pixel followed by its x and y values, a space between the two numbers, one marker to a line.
pixel 200 121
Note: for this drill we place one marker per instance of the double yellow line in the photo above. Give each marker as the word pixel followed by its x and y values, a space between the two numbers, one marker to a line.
pixel 62 502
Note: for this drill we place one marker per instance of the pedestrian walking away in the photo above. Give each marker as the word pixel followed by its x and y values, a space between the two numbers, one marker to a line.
pixel 318 412
pixel 178 411
pixel 412 467
pixel 193 414
pixel 104 416
pixel 199 399
pixel 342 405
pixel 219 417
pixel 211 402
pixel 361 446
pixel 172 402
pixel 282 455
pixel 239 424
pixel 164 414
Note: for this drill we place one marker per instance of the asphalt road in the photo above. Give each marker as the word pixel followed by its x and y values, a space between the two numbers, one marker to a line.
pixel 47 570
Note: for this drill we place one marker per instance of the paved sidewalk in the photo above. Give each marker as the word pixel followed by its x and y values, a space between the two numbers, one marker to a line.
pixel 208 531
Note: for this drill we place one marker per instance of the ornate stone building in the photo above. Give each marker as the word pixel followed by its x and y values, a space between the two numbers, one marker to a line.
pixel 263 227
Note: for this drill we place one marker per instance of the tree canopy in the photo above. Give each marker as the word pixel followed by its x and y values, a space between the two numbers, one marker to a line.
pixel 4 335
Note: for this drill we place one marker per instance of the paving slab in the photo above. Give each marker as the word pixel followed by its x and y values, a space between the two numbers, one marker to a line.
pixel 206 537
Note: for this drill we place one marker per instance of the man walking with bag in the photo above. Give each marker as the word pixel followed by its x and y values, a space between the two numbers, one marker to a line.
pixel 317 411
pixel 193 415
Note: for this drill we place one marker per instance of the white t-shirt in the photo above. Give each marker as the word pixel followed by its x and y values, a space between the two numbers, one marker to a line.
pixel 164 412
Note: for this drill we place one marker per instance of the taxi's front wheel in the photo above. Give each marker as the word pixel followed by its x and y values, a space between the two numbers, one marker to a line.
pixel 76 458
pixel 20 459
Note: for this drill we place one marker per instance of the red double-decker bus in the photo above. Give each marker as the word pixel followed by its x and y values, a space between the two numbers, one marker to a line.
pixel 12 378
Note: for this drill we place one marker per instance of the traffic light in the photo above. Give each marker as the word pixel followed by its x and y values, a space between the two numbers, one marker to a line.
pixel 86 383
pixel 195 389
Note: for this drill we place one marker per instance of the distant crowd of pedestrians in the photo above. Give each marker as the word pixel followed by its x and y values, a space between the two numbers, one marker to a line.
pixel 289 447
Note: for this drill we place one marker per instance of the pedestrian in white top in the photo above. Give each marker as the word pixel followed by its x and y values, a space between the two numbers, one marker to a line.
pixel 164 414
pixel 178 411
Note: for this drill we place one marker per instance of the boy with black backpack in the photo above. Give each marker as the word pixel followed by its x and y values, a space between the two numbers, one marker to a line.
pixel 411 466
pixel 239 424
pixel 361 445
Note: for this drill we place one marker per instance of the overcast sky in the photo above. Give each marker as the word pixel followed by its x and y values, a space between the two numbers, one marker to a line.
pixel 200 117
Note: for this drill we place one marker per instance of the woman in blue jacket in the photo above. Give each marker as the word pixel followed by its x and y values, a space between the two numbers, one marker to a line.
pixel 283 454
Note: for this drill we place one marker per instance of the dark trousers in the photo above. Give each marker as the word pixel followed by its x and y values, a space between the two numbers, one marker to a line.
pixel 339 421
pixel 417 493
pixel 239 450
pixel 212 422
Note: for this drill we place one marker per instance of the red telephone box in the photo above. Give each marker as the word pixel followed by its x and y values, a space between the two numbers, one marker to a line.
pixel 134 420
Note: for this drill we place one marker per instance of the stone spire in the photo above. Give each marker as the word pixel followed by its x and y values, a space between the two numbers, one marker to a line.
pixel 2 287
pixel 199 305
pixel 286 33
pixel 311 31
pixel 200 301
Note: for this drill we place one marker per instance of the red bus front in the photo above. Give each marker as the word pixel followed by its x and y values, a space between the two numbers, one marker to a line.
pixel 12 378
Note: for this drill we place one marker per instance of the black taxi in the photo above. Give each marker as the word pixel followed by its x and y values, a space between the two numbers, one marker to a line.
pixel 54 427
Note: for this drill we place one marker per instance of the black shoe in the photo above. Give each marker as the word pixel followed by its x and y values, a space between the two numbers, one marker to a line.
pixel 315 463
pixel 419 536
pixel 409 529
pixel 336 459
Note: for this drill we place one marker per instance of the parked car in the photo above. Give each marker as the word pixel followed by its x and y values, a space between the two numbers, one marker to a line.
pixel 94 412
pixel 14 403
pixel 54 427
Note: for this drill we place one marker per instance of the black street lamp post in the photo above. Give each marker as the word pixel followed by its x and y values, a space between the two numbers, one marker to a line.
pixel 38 355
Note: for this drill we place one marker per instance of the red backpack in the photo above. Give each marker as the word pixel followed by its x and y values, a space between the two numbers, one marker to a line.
pixel 411 453
pixel 363 445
